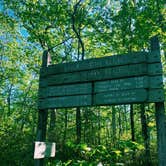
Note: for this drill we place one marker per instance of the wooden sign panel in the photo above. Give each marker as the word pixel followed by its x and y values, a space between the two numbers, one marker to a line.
pixel 65 101
pixel 96 63
pixel 66 90
pixel 128 83
pixel 120 79
pixel 98 74
pixel 101 86
pixel 156 95
pixel 121 97
pixel 104 98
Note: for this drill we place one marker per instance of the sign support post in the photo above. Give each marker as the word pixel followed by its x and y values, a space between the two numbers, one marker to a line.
pixel 42 117
pixel 160 117
pixel 41 132
pixel 161 133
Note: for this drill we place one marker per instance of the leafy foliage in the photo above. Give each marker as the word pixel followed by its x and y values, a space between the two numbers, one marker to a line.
pixel 82 154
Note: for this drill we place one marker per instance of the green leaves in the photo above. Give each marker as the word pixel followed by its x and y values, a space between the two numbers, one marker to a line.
pixel 81 154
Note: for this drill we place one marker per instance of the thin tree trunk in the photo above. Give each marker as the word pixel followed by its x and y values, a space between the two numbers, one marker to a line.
pixel 107 134
pixel 125 118
pixel 99 127
pixel 92 137
pixel 132 123
pixel 65 127
pixel 113 125
pixel 52 119
pixel 77 31
pixel 145 135
pixel 9 99
pixel 78 125
pixel 132 128
pixel 85 124
pixel 120 123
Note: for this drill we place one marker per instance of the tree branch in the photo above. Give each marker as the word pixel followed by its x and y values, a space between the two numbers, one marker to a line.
pixel 78 35
pixel 51 48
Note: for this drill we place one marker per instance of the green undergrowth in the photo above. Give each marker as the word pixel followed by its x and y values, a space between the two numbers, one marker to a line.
pixel 127 153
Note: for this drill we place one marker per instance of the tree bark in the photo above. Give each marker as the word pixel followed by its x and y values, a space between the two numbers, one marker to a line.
pixel 66 123
pixel 77 32
pixel 132 123
pixel 120 123
pixel 125 118
pixel 145 135
pixel 52 119
pixel 113 125
pixel 99 127
pixel 85 124
pixel 78 125
pixel 9 99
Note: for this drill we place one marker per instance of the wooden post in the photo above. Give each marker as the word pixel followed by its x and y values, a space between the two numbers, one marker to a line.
pixel 160 117
pixel 161 133
pixel 42 115
pixel 41 132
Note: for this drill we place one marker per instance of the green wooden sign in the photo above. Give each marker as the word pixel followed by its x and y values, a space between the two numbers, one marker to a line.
pixel 119 79
pixel 101 86
pixel 104 98
pixel 156 95
pixel 95 63
pixel 121 97
pixel 98 74
pixel 65 101
pixel 129 96
pixel 66 90
pixel 128 83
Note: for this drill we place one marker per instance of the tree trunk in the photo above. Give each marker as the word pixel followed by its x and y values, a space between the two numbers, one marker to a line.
pixel 99 127
pixel 65 129
pixel 132 128
pixel 107 134
pixel 113 125
pixel 51 127
pixel 125 119
pixel 120 123
pixel 145 135
pixel 52 119
pixel 78 125
pixel 85 124
pixel 132 123
pixel 9 99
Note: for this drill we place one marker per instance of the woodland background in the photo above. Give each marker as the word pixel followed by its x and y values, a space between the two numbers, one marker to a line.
pixel 73 30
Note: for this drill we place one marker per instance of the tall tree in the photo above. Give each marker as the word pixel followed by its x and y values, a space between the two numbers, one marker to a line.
pixel 114 125
pixel 132 123
pixel 145 134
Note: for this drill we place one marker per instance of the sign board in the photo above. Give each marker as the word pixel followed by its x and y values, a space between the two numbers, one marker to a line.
pixel 119 79
pixel 43 149
pixel 96 63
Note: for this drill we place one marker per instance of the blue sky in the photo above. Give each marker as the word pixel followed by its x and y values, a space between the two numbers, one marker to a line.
pixel 22 30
